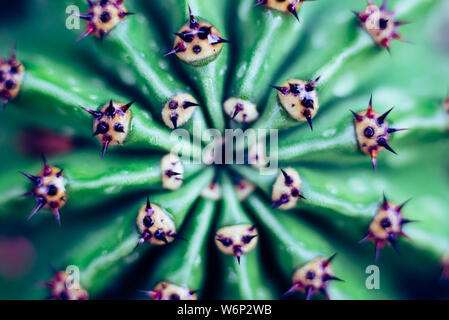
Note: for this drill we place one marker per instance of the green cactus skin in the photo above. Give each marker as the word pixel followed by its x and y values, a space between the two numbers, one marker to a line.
pixel 110 243
pixel 190 272
pixel 428 117
pixel 355 200
pixel 89 185
pixel 64 98
pixel 244 279
pixel 294 243
pixel 256 61
pixel 99 234
pixel 209 78
pixel 134 45
pixel 345 42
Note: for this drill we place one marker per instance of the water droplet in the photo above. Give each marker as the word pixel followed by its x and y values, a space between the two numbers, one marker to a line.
pixel 163 65
pixel 241 70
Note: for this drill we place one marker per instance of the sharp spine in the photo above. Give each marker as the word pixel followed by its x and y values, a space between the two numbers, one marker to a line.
pixel 373 154
pixel 193 23
pixel 309 293
pixel 260 3
pixel 40 203
pixel 105 147
pixel 309 119
pixel 401 206
pixel 127 106
pixel 238 253
pixel 329 277
pixel 290 291
pixel 149 209
pixel 283 90
pixel 287 178
pixel 329 260
pixel 381 119
pixel 357 116
pixel 88 31
pixel 96 114
pixel 384 143
pixel 179 48
pixel 34 179
pixel 188 104
pixel 174 120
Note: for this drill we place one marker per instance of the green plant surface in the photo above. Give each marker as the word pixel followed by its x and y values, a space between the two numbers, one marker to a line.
pixel 328 49
pixel 294 243
pixel 100 234
pixel 87 185
pixel 139 64
pixel 104 248
pixel 269 29
pixel 418 115
pixel 351 196
pixel 191 271
pixel 243 279
pixel 209 78
pixel 63 98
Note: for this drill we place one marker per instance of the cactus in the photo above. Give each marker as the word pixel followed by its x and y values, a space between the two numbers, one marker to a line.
pixel 140 219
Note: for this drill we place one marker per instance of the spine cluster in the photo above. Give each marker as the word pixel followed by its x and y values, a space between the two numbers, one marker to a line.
pixel 236 240
pixel 299 99
pixel 380 24
pixel 11 75
pixel 155 226
pixel 373 131
pixel 313 278
pixel 49 190
pixel 103 16
pixel 169 291
pixel 386 226
pixel 197 42
pixel 111 123
pixel 286 189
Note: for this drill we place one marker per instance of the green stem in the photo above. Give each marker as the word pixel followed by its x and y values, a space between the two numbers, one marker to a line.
pixel 190 269
pixel 209 79
pixel 244 280
pixel 258 30
pixel 294 243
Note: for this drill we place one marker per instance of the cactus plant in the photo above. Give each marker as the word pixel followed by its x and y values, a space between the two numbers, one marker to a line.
pixel 150 216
